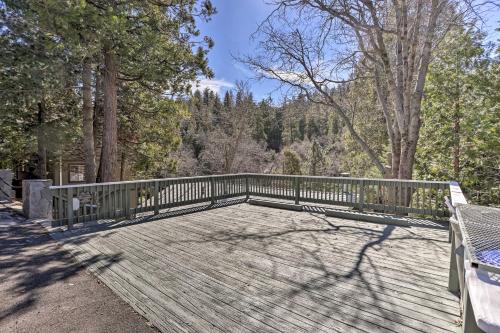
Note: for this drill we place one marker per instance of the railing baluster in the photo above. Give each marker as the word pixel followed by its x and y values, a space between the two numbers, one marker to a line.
pixel 361 195
pixel 297 190
pixel 212 190
pixel 60 213
pixel 177 192
pixel 247 190
pixel 69 195
pixel 118 198
pixel 156 198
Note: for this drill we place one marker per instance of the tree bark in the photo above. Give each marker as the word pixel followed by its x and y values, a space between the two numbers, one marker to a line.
pixel 98 120
pixel 122 166
pixel 456 142
pixel 109 162
pixel 88 123
pixel 99 169
pixel 41 169
pixel 456 127
pixel 98 114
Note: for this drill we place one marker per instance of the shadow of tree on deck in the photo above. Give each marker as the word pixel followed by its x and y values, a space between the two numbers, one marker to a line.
pixel 348 288
pixel 140 218
pixel 326 271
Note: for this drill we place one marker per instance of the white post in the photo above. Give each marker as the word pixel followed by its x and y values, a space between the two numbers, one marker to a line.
pixel 37 199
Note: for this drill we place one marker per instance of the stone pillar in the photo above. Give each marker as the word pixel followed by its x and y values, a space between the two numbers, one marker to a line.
pixel 37 199
pixel 6 184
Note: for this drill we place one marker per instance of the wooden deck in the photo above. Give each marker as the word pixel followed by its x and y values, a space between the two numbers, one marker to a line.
pixel 246 268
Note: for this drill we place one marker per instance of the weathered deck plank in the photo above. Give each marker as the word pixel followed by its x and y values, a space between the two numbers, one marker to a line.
pixel 247 268
pixel 331 258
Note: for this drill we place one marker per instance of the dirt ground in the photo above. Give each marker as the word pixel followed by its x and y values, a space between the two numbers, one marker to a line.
pixel 42 288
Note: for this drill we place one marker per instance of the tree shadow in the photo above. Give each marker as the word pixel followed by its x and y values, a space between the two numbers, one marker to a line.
pixel 31 260
pixel 327 289
pixel 91 227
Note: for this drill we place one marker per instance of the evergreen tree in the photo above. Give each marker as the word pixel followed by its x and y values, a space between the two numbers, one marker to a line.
pixel 291 163
pixel 460 117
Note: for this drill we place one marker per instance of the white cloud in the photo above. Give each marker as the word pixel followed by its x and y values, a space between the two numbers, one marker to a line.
pixel 214 85
pixel 245 70
pixel 296 77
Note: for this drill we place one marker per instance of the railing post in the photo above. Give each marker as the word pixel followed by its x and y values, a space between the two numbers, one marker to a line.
pixel 453 280
pixel 212 190
pixel 37 199
pixel 247 190
pixel 126 202
pixel 297 190
pixel 361 195
pixel 69 208
pixel 156 201
pixel 60 207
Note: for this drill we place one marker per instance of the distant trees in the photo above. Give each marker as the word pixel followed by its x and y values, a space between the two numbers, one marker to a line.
pixel 291 163
pixel 240 135
pixel 225 137
pixel 315 159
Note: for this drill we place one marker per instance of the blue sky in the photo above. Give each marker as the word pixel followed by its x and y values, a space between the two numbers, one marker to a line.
pixel 231 29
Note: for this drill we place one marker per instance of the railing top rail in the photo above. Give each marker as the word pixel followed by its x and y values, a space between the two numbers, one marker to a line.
pixel 456 194
pixel 353 178
pixel 141 181
pixel 251 174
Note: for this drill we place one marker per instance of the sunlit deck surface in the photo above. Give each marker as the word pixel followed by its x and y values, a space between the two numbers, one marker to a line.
pixel 244 268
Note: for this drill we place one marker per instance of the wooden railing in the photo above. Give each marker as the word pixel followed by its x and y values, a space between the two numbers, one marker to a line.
pixel 80 203
pixel 390 196
pixel 125 199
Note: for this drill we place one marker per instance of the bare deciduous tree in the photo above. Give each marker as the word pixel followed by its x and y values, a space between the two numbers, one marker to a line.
pixel 313 45
pixel 230 148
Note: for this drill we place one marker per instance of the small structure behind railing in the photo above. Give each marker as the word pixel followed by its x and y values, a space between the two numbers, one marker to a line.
pixel 87 202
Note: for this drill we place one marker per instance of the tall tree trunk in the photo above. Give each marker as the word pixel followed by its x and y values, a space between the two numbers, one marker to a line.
pixel 396 155
pixel 456 126
pixel 98 119
pixel 98 114
pixel 88 123
pixel 41 170
pixel 109 161
pixel 99 169
pixel 456 144
pixel 122 166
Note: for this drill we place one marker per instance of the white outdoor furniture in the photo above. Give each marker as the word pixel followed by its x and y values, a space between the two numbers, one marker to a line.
pixel 475 263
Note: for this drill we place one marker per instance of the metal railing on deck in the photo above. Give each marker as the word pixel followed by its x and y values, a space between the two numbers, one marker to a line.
pixel 80 203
